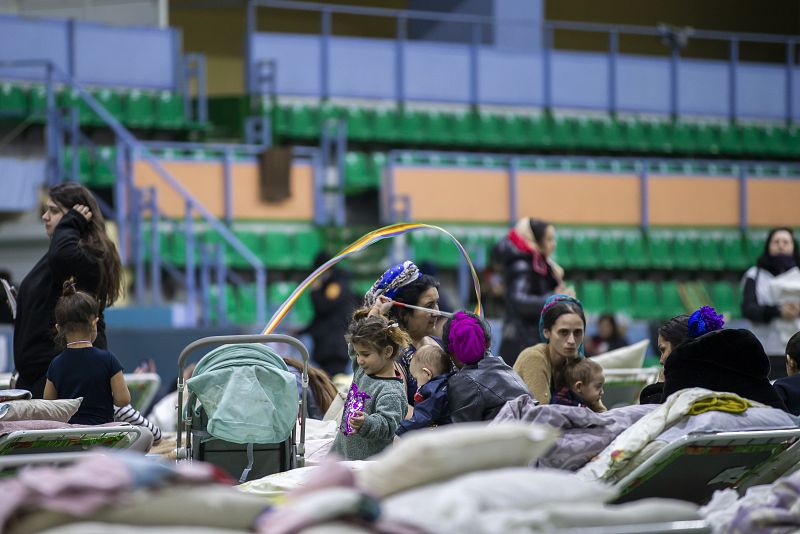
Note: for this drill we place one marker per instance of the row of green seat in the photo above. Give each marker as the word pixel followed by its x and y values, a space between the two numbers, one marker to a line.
pixel 240 303
pixel 519 132
pixel 613 250
pixel 277 249
pixel 134 108
pixel 710 250
pixel 96 167
pixel 651 300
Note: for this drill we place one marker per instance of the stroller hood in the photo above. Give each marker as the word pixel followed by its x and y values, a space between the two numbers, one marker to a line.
pixel 247 392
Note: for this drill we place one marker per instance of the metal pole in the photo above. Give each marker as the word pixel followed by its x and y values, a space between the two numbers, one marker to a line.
pixel 673 81
pixel 227 164
pixel 474 58
pixel 546 67
pixel 191 284
pixel 250 25
pixel 261 295
pixel 71 47
pixel 155 247
pixel 732 66
pixel 613 52
pixel 324 53
pixel 399 60
pixel 789 82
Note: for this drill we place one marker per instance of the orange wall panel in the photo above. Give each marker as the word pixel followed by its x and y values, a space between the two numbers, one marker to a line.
pixel 579 198
pixel 693 201
pixel 454 194
pixel 205 181
pixel 773 202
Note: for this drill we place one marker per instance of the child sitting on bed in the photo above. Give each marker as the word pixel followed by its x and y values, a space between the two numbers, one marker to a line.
pixel 584 385
pixel 376 402
pixel 430 367
pixel 83 370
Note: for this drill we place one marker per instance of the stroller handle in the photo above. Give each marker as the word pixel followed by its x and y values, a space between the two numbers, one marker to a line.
pixel 252 338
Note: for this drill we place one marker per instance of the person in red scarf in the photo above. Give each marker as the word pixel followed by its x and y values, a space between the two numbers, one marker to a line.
pixel 524 257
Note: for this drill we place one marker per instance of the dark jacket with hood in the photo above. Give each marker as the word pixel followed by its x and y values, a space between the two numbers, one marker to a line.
pixel 731 360
pixel 478 391
pixel 525 293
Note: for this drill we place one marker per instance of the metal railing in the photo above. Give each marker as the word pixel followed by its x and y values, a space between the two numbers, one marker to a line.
pixel 131 201
pixel 673 38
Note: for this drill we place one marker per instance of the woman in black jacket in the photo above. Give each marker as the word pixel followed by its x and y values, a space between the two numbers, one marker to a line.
pixel 79 247
pixel 530 275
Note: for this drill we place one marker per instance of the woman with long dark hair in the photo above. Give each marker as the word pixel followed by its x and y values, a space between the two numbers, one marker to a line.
pixel 79 248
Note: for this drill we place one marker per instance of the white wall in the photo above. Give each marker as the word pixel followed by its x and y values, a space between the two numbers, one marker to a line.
pixel 119 12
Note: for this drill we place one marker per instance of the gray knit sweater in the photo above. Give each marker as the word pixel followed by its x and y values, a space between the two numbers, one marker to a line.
pixel 384 410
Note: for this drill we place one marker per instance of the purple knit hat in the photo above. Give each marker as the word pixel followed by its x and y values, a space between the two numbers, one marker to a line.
pixel 466 340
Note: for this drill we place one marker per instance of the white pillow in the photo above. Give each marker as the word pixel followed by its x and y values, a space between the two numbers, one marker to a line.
pixel 445 452
pixel 628 357
pixel 38 409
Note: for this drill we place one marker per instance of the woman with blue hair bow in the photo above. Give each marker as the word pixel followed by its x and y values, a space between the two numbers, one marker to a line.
pixel 405 283
pixel 562 324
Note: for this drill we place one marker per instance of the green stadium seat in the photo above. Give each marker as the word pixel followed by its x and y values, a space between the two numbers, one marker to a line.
pixel 387 125
pixel 307 244
pixel 105 164
pixel 730 142
pixel 110 100
pixel 584 251
pixel 753 140
pixel 253 240
pixel 659 136
pixel 447 254
pixel 659 250
pixel 734 255
pixel 303 122
pixel 424 247
pixel 635 136
pixel 592 294
pixel 612 137
pixel 412 127
pixel 491 130
pixel 517 132
pixel 707 139
pixel 777 142
pixel 634 251
pixel 609 249
pixel 13 100
pixel 563 253
pixel 684 138
pixel 84 164
pixel 646 304
pixel 37 101
pixel 709 249
pixel 245 311
pixel 620 297
pixel 138 111
pixel 539 133
pixel 755 244
pixel 440 128
pixel 727 299
pixel 356 171
pixel 793 142
pixel 303 310
pixel 465 129
pixel 588 134
pixel 377 163
pixel 671 303
pixel 278 251
pixel 169 112
pixel 685 250
pixel 281 118
pixel 564 132
pixel 360 124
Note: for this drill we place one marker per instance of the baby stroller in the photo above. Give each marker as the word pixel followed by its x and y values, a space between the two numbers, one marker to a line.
pixel 242 406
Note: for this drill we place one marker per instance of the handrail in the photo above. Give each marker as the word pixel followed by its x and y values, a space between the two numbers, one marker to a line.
pixel 131 142
pixel 484 19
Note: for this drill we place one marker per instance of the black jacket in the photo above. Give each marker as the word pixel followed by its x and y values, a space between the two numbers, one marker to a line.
pixel 788 389
pixel 478 391
pixel 333 303
pixel 525 294
pixel 34 328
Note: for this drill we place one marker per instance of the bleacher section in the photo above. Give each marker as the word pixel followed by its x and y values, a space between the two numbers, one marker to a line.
pixel 513 132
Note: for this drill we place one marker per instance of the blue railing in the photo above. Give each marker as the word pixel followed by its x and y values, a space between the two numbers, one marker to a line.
pixel 544 90
pixel 130 201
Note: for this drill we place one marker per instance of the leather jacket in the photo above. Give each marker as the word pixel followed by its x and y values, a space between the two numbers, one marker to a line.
pixel 478 391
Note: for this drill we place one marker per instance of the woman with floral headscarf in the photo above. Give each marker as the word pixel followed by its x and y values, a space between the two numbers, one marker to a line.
pixel 525 259
pixel 405 283
pixel 562 325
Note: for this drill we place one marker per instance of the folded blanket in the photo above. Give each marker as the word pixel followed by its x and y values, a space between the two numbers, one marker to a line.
pixel 723 403
pixel 618 455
